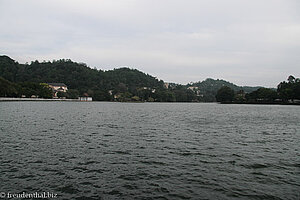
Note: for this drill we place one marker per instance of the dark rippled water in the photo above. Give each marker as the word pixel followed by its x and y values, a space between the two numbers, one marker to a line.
pixel 150 150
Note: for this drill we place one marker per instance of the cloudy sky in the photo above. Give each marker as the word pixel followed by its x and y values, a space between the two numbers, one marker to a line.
pixel 248 42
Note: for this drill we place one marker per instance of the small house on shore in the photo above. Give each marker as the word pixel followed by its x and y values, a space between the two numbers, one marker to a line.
pixel 85 98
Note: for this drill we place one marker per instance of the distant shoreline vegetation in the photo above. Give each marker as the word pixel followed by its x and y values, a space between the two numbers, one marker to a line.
pixel 127 85
pixel 287 93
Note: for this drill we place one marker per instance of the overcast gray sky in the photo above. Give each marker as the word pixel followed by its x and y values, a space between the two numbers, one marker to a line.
pixel 248 42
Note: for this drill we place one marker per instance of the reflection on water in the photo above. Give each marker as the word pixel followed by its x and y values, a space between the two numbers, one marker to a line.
pixel 150 150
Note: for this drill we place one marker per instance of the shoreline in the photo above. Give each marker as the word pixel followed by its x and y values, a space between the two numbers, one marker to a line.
pixel 34 99
pixel 262 103
pixel 9 99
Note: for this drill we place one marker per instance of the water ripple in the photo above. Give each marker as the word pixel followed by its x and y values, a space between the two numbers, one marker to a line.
pixel 150 151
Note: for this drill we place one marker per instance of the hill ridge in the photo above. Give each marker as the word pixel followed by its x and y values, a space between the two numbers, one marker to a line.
pixel 121 84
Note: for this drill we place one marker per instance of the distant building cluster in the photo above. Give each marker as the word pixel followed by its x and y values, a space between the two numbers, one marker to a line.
pixel 196 90
pixel 61 87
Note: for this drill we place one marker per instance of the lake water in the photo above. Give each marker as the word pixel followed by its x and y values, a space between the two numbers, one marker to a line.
pixel 101 150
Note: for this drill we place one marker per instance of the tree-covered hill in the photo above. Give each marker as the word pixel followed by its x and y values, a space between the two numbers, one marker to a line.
pixel 122 84
pixel 79 78
pixel 286 93
pixel 209 88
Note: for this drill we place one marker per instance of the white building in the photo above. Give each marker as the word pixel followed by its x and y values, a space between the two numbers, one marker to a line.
pixel 192 88
pixel 57 87
pixel 85 98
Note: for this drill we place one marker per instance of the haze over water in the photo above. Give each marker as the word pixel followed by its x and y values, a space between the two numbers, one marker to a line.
pixel 101 150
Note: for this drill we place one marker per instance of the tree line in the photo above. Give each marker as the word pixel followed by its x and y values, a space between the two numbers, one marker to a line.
pixel 121 84
pixel 286 92
pixel 24 89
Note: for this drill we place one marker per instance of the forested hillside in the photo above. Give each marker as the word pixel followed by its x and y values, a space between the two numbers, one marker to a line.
pixel 79 78
pixel 122 84
pixel 209 87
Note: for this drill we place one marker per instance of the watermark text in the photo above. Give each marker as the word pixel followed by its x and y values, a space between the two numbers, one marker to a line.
pixel 25 195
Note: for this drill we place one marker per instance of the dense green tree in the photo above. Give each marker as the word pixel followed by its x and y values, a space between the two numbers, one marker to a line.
pixel 264 95
pixel 8 68
pixel 61 94
pixel 208 88
pixel 165 96
pixel 289 90
pixel 72 94
pixel 143 93
pixel 150 99
pixel 184 95
pixel 135 98
pixel 225 94
pixel 240 96
pixel 296 89
pixel 100 95
pixel 7 88
pixel 123 97
pixel 39 90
